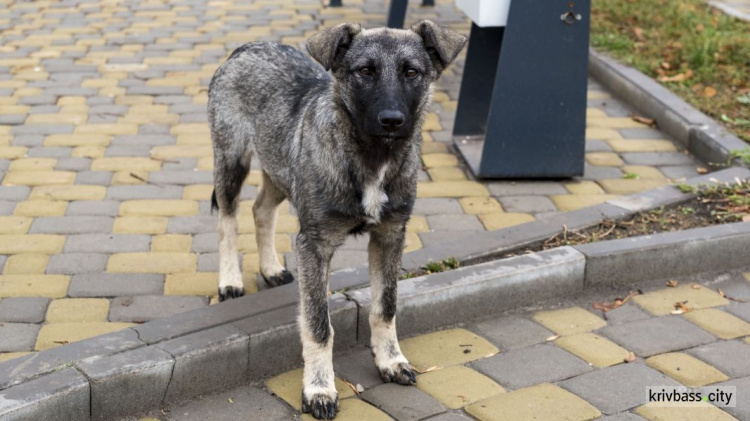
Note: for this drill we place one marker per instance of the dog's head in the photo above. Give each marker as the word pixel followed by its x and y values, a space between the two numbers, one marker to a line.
pixel 383 75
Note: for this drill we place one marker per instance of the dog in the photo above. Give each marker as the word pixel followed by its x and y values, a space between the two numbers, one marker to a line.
pixel 340 139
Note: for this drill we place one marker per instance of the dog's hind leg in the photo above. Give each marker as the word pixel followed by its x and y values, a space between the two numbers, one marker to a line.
pixel 264 213
pixel 319 396
pixel 385 251
pixel 230 171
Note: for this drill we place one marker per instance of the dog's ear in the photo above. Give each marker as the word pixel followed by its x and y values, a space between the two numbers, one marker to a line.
pixel 329 43
pixel 442 44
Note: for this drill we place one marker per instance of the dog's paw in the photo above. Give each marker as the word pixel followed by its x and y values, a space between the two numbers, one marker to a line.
pixel 321 405
pixel 282 278
pixel 400 372
pixel 229 292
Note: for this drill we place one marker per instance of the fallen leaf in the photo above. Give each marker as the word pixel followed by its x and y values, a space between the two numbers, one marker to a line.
pixel 672 283
pixel 665 65
pixel 552 338
pixel 630 358
pixel 709 92
pixel 681 308
pixel 638 32
pixel 700 28
pixel 605 307
pixel 354 388
pixel 746 218
pixel 230 400
pixel 701 170
pixel 739 300
pixel 679 77
pixel 695 286
pixel 62 342
pixel 427 370
pixel 645 120
pixel 126 301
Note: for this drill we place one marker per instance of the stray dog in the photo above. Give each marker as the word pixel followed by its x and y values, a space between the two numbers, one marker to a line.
pixel 344 148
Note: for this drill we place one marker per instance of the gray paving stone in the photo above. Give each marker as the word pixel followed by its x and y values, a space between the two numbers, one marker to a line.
pixel 433 206
pixel 597 146
pixel 644 133
pixel 71 224
pixel 49 152
pixel 23 309
pixel 127 383
pixel 63 396
pixel 592 172
pixel 43 129
pixel 107 243
pixel 206 361
pixel 128 151
pixel 97 178
pixel 28 140
pixel 617 388
pixel 73 164
pixel 344 259
pixel 403 402
pixel 454 222
pixel 16 337
pixel 742 410
pixel 730 357
pixel 438 238
pixel 451 416
pixel 357 367
pixel 115 284
pixel 7 207
pixel 544 363
pixel 94 207
pixel 656 158
pixel 205 243
pixel 199 224
pixel 511 332
pixel 208 262
pixel 181 177
pixel 677 172
pixel 144 308
pixel 74 263
pixel 525 188
pixel 144 192
pixel 624 416
pixel 526 204
pixel 627 313
pixel 740 310
pixel 657 335
pixel 14 193
pixel 249 402
pixel 143 139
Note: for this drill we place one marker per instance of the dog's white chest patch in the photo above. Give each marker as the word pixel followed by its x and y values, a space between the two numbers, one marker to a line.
pixel 373 197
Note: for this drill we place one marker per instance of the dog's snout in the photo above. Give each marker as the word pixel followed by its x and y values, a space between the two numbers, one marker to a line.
pixel 391 120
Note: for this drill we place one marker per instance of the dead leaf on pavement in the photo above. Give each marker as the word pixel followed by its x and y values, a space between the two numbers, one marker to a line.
pixel 354 388
pixel 681 308
pixel 605 307
pixel 552 338
pixel 695 286
pixel 739 300
pixel 426 370
pixel 630 358
pixel 644 120
pixel 702 170
pixel 672 283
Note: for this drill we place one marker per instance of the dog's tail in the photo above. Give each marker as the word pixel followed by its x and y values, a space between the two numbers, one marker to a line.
pixel 214 203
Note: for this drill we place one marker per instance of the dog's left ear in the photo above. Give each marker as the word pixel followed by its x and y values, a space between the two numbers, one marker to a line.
pixel 442 44
pixel 329 43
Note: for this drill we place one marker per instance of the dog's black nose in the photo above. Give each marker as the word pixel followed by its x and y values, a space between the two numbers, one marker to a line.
pixel 391 120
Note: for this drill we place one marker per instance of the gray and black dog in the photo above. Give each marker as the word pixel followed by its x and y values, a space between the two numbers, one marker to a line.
pixel 344 148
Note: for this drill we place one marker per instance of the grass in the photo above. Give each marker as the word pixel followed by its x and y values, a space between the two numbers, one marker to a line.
pixel 696 51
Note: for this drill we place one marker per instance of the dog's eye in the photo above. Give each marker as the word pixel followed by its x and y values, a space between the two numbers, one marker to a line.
pixel 365 71
pixel 411 73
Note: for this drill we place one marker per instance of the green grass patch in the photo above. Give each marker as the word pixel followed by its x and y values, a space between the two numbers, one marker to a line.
pixel 696 51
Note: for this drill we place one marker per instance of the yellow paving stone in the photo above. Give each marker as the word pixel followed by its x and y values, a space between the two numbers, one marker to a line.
pixel 254 178
pixel 746 275
pixel 457 386
pixel 78 310
pixel 28 285
pixel 614 123
pixel 445 348
pixel 152 262
pixel 541 402
pixel 110 128
pixel 158 207
pixel 694 411
pixel 194 139
pixel 181 151
pixel 603 159
pixel 417 224
pixel 432 123
pixel 57 334
pixel 72 100
pixel 720 324
pixel 662 302
pixel 251 264
pixel 630 186
pixel 176 243
pixel 246 243
pixel 439 160
pixel 38 178
pixel 31 243
pixel 69 193
pixel 285 224
pixel 14 224
pixel 433 148
pixel 641 145
pixel 569 202
pixel 14 109
pixel 33 164
pixel 569 321
pixel 288 386
pixel 12 152
pixel 686 369
pixel 148 109
pixel 140 225
pixel 597 133
pixel 28 263
pixel 584 188
pixel 125 164
pixel 479 205
pixel 593 349
pixel 193 128
pixel 590 94
pixel 354 410
pixel 206 163
pixel 411 242
pixel 76 119
pixel 451 189
pixel 89 151
pixel 199 283
pixel 5 356
pixel 80 139
pixel 498 220
pixel 198 192
pixel 643 171
pixel 446 174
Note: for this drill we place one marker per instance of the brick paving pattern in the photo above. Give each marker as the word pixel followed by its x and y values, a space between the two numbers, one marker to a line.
pixel 106 161
pixel 517 368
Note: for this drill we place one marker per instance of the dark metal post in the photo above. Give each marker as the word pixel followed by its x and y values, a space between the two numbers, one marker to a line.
pixel 428 2
pixel 335 3
pixel 397 13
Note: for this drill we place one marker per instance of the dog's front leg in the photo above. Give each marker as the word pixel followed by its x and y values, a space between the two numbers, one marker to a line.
pixel 385 250
pixel 319 396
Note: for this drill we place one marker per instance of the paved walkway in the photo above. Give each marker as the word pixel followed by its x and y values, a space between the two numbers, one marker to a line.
pixel 563 363
pixel 737 8
pixel 105 160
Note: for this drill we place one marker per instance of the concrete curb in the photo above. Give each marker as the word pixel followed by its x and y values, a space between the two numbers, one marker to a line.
pixel 244 340
pixel 701 135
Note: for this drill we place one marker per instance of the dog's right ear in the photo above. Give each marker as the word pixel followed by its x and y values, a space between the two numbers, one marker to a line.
pixel 329 43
